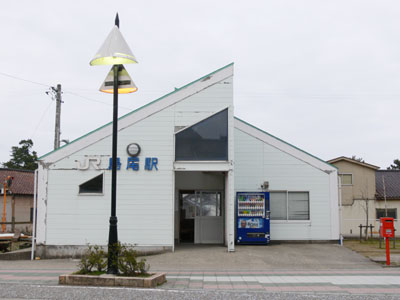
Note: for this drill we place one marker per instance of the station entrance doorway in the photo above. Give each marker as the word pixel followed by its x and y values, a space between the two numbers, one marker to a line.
pixel 200 207
pixel 201 218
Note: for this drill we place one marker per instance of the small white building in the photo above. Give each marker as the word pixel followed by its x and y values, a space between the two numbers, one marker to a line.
pixel 192 148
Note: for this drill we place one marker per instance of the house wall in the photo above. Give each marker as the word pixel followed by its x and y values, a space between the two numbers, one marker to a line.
pixel 354 215
pixel 22 206
pixel 358 199
pixel 363 186
pixel 145 199
pixel 257 161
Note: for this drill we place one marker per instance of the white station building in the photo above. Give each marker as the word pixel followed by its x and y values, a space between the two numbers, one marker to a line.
pixel 181 160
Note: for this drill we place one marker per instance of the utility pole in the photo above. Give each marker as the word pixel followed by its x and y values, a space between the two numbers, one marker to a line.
pixel 58 117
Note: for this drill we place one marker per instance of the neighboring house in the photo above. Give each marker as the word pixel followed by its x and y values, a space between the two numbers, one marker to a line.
pixel 182 159
pixel 19 200
pixel 388 186
pixel 357 195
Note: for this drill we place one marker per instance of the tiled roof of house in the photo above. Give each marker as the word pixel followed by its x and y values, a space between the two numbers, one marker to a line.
pixel 22 183
pixel 392 184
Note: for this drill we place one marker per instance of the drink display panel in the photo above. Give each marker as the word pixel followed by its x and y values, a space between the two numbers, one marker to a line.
pixel 250 205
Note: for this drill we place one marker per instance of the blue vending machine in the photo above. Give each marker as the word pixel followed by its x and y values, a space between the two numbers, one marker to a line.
pixel 252 220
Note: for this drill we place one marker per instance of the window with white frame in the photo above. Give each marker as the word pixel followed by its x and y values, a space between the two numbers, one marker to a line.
pixel 290 206
pixel 347 179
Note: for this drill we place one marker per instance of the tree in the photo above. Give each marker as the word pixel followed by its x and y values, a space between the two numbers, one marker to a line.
pixel 365 199
pixel 395 166
pixel 22 157
pixel 357 158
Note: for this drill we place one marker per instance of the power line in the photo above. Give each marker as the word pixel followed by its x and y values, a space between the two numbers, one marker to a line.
pixel 41 118
pixel 267 94
pixel 93 100
pixel 48 85
pixel 22 79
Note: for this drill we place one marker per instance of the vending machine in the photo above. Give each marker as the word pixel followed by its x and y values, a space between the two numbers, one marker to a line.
pixel 252 218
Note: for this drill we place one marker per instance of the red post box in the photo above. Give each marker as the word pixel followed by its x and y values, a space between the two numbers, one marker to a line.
pixel 386 227
pixel 386 230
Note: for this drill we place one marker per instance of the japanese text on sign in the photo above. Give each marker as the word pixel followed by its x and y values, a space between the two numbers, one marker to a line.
pixel 133 163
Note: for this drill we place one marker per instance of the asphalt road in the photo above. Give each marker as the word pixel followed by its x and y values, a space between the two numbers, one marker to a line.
pixel 26 291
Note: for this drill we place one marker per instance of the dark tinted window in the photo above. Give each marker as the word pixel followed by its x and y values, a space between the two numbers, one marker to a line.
pixel 94 185
pixel 206 140
pixel 391 213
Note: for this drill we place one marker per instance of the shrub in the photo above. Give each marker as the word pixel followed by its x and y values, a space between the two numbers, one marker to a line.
pixel 128 264
pixel 94 260
pixel 94 257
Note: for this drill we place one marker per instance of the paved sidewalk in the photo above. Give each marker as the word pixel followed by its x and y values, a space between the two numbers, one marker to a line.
pixel 272 257
pixel 285 268
pixel 385 281
pixel 345 281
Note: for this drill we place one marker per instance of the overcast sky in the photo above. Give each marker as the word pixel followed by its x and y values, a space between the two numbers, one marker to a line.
pixel 321 75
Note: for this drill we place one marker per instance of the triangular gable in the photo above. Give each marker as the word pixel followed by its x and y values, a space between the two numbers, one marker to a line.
pixel 284 146
pixel 140 114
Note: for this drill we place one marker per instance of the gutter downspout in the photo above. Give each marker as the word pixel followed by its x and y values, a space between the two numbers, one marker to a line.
pixel 34 215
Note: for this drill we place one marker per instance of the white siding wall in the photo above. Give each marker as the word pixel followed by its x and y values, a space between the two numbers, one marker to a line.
pixel 204 104
pixel 257 161
pixel 145 199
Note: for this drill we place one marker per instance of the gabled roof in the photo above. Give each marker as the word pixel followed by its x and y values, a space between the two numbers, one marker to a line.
pixel 22 183
pixel 392 184
pixel 141 113
pixel 353 161
pixel 172 98
pixel 284 146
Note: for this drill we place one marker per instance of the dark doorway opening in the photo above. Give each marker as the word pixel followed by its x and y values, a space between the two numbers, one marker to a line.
pixel 187 204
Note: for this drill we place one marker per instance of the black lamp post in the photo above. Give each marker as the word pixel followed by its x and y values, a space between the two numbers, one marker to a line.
pixel 115 52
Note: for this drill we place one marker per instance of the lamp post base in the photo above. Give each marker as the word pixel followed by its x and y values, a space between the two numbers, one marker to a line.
pixel 112 265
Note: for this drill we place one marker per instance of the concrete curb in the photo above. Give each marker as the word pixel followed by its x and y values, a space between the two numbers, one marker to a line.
pixel 112 280
pixel 24 254
pixel 76 251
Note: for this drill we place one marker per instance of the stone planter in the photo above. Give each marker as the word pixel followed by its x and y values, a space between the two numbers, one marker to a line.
pixel 112 280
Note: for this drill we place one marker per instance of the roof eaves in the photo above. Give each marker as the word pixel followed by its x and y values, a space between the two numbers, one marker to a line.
pixel 367 165
pixel 136 110
pixel 17 170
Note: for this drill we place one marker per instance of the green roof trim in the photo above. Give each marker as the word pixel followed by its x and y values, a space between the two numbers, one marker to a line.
pixel 285 142
pixel 148 104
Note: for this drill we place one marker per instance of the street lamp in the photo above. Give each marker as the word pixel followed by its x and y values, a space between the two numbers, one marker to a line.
pixel 115 51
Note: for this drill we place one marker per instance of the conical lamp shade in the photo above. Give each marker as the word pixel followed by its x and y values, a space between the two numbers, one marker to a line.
pixel 114 51
pixel 125 82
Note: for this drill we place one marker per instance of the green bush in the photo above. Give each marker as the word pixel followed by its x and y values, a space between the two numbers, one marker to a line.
pixel 128 264
pixel 94 261
pixel 93 258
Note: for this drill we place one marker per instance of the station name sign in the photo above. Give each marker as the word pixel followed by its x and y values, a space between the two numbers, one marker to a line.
pixel 133 161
